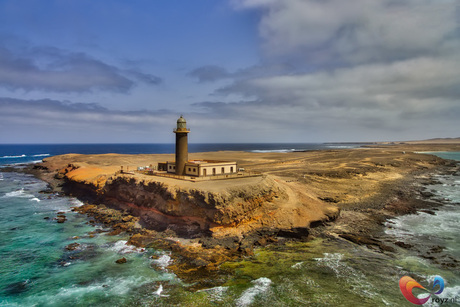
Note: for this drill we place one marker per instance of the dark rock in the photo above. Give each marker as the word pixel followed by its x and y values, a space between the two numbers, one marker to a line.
pixel 17 287
pixel 61 219
pixel 428 211
pixel 121 260
pixel 426 194
pixel 360 240
pixel 46 218
pixel 231 243
pixel 386 248
pixel 329 199
pixel 72 246
pixel 436 249
pixel 403 245
pixel 296 233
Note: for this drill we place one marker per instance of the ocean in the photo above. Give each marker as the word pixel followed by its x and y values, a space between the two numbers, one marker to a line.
pixel 40 265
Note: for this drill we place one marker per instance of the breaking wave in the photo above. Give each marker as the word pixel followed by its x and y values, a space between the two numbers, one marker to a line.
pixel 261 285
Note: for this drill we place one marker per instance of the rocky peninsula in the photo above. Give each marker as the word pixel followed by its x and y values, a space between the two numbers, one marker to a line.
pixel 341 194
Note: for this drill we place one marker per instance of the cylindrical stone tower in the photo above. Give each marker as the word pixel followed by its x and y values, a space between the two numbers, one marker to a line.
pixel 181 145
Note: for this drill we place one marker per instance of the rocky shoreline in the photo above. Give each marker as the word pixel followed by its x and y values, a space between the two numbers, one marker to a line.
pixel 197 254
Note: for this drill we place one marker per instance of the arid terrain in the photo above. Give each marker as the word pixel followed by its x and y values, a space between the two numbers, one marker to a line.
pixel 347 192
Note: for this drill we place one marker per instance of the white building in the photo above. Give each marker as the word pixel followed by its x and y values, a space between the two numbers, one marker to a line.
pixel 203 168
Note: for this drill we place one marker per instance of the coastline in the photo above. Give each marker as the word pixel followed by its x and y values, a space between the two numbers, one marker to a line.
pixel 361 216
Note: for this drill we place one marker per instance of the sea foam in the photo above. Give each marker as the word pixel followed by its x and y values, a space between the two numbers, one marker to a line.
pixel 18 193
pixel 163 261
pixel 122 248
pixel 261 285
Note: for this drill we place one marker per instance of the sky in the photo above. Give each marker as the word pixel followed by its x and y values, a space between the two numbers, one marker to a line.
pixel 239 71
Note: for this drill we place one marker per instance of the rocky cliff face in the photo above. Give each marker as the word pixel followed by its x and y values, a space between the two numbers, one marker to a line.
pixel 232 208
pixel 190 210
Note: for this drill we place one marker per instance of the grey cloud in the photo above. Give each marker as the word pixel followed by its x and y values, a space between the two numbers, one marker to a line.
pixel 52 69
pixel 145 78
pixel 354 70
pixel 83 113
pixel 356 31
pixel 209 73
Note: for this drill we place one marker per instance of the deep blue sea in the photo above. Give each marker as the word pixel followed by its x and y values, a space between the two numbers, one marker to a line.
pixel 38 270
pixel 29 153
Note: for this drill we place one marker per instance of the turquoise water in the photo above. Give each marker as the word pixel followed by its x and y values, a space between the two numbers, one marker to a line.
pixel 37 269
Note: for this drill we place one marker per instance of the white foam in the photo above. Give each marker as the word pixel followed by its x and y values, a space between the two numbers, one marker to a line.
pixel 261 285
pixel 109 286
pixel 121 247
pixel 331 261
pixel 216 293
pixel 354 277
pixel 75 202
pixel 163 261
pixel 41 155
pixel 340 146
pixel 35 199
pixel 10 157
pixel 18 193
pixel 298 265
pixel 159 291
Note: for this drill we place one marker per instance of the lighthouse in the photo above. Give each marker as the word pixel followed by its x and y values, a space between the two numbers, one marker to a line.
pixel 181 145
pixel 183 168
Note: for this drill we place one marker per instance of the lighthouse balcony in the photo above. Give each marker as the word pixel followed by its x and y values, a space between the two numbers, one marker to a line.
pixel 186 130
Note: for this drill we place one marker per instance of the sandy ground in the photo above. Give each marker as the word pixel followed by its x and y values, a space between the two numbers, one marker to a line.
pixel 345 177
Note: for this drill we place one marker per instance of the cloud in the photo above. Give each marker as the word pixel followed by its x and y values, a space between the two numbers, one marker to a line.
pixel 145 78
pixel 360 70
pixel 355 31
pixel 65 113
pixel 55 70
pixel 209 73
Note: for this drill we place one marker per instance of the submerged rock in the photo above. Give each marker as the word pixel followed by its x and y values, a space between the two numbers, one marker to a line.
pixel 72 246
pixel 121 260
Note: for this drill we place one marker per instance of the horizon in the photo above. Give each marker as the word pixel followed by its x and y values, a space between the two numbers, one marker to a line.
pixel 300 71
pixel 259 143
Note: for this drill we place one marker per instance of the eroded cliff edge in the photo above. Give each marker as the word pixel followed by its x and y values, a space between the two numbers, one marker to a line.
pixel 217 209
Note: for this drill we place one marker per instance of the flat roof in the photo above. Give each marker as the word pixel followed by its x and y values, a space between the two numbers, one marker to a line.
pixel 208 161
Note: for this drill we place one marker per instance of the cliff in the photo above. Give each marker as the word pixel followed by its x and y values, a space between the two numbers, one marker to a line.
pixel 219 208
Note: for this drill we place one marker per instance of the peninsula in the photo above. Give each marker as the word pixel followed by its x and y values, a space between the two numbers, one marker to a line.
pixel 208 222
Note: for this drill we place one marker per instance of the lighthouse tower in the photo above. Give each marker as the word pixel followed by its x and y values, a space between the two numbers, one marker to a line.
pixel 181 145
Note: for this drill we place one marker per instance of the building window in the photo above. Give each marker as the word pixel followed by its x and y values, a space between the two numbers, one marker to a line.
pixel 170 167
pixel 231 169
pixel 222 170
pixel 189 169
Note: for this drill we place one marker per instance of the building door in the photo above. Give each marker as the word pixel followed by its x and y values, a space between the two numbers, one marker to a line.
pixel 222 171
pixel 213 170
pixel 204 172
